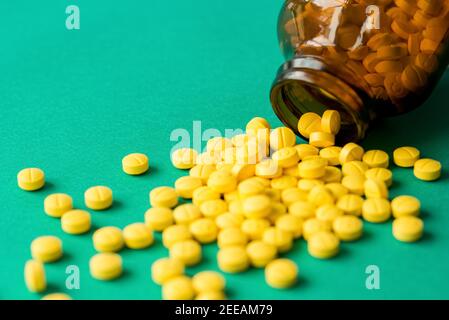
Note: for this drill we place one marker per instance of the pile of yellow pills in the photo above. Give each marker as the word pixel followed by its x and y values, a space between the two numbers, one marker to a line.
pixel 46 249
pixel 260 253
pixel 184 158
pixel 31 179
pixel 35 279
pixel 137 236
pixel 405 156
pixel 408 228
pixel 76 221
pixel 165 269
pixel 105 266
pixel 98 198
pixel 281 273
pixel 405 206
pixel 56 204
pixel 427 169
pixel 323 245
pixel 135 164
pixel 108 239
pixel 158 219
pixel 187 251
pixel 178 288
pixel 165 197
pixel 233 259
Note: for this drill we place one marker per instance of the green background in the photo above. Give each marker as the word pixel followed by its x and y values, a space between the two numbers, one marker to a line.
pixel 75 102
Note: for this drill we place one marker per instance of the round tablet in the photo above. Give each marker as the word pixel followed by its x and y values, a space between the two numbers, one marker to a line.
pixel 108 239
pixel 211 295
pixel 405 206
pixel 31 179
pixel 282 137
pixel 381 174
pixel 268 169
pixel 165 197
pixel 165 269
pixel 56 204
pixel 408 228
pixel 314 225
pixel 330 121
pixel 202 171
pixel 375 188
pixel 204 230
pixel 258 206
pixel 207 281
pixel 286 157
pixel 213 208
pixel 331 154
pixel 376 210
pixel 229 220
pixel 76 221
pixel 348 228
pixel 231 237
pixel 376 159
pixel 254 228
pixel 281 273
pixel 323 245
pixel 351 204
pixel 305 150
pixel 178 288
pixel 184 158
pixel 308 123
pixel 135 164
pixel 405 156
pixel 158 219
pixel 175 233
pixel 260 253
pixel 185 186
pixel 351 152
pixel 105 266
pixel 233 259
pixel 222 181
pixel 302 209
pixel 281 239
pixel 98 198
pixel 187 251
pixel 203 194
pixel 56 296
pixel 34 273
pixel 137 236
pixel 427 169
pixel 186 213
pixel 46 249
pixel 290 223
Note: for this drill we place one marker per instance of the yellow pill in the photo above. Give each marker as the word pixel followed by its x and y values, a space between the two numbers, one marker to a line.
pixel 427 62
pixel 208 281
pixel 158 219
pixel 137 236
pixel 236 207
pixel 286 157
pixel 305 150
pixel 204 230
pixel 282 240
pixel 229 220
pixel 351 152
pixel 233 259
pixel 165 269
pixel 376 159
pixel 282 137
pixel 257 123
pixel 222 182
pixel 291 195
pixel 108 239
pixel 277 210
pixel 393 85
pixel 175 233
pixel 105 266
pixel 273 194
pixel 135 164
pixel 251 187
pixel 328 213
pixel 382 174
pixel 321 139
pixel 231 196
pixel 186 213
pixel 218 144
pixel 392 51
pixel 320 195
pixel 178 288
pixel 213 208
pixel 337 189
pixel 302 209
pixel 230 237
pixel 427 169
pixel 308 184
pixel 243 171
pixel 389 66
pixel 35 279
pixel 376 210
pixel 408 228
pixel 374 79
pixel 330 122
pixel 258 206
pixel 323 245
pixel 31 179
pixel 204 194
pixel 164 197
pixel 98 198
pixel 348 228
pixel 281 273
pixel 413 43
pixel 403 28
pixel 211 295
pixel 381 39
pixel 405 156
pixel 202 171
pixel 268 169
pixel 370 62
pixel 254 228
pixel 184 158
pixel 56 204
pixel 413 78
pixel 308 123
pixel 312 169
pixel 186 251
pixel 185 186
pixel 405 206
pixel 429 46
pixel 375 188
pixel 354 168
pixel 56 296
pixel 314 225
pixel 355 184
pixel 284 182
pixel 290 223
pixel 76 221
pixel 46 249
pixel 331 154
pixel 351 204
pixel 260 253
pixel 332 174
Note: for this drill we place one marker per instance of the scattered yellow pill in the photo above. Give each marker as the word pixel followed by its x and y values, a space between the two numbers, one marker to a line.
pixel 35 279
pixel 31 179
pixel 376 159
pixel 302 209
pixel 175 233
pixel 376 210
pixel 56 204
pixel 282 137
pixel 258 206
pixel 323 245
pixel 202 171
pixel 163 197
pixel 305 150
pixel 314 225
pixel 222 181
pixel 408 228
pixel 331 154
pixel 229 220
pixel 233 259
pixel 254 228
pixel 208 281
pixel 184 158
pixel 186 213
pixel 46 249
pixel 309 122
pixel 105 266
pixel 56 296
pixel 321 139
pixel 348 228
pixel 330 122
pixel 427 169
pixel 165 269
pixel 211 295
pixel 281 239
pixel 405 206
pixel 351 152
pixel 382 174
pixel 375 188
pixel 312 169
pixel 98 198
pixel 178 288
pixel 76 221
pixel 108 239
pixel 260 253
pixel 187 251
pixel 231 237
pixel 351 204
pixel 204 194
pixel 158 219
pixel 354 183
pixel 204 230
pixel 135 164
pixel 286 157
pixel 185 186
pixel 290 223
pixel 137 236
pixel 281 273
pixel 405 156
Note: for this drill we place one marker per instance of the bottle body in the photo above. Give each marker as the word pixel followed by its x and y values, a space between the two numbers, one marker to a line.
pixel 365 58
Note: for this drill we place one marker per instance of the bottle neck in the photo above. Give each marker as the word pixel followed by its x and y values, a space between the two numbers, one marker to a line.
pixel 306 84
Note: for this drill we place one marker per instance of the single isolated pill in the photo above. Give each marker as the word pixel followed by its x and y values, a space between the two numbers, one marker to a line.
pixel 56 204
pixel 31 179
pixel 105 266
pixel 98 198
pixel 281 273
pixel 108 239
pixel 135 164
pixel 427 169
pixel 76 222
pixel 35 279
pixel 46 249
